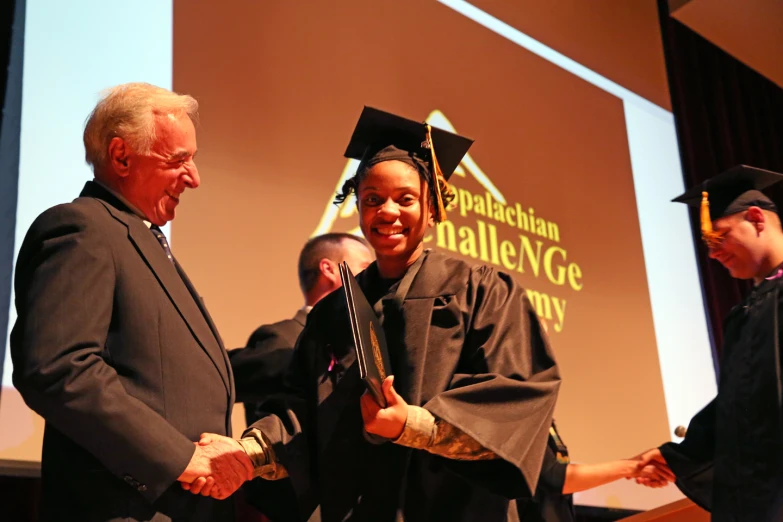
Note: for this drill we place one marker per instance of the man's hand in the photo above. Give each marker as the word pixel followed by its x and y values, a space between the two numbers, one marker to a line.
pixel 386 422
pixel 651 469
pixel 218 467
pixel 650 475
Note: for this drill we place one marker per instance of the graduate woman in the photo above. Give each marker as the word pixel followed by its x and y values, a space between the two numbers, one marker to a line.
pixel 474 381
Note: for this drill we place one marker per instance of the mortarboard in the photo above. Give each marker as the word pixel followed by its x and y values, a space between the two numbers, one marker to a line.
pixel 730 192
pixel 383 136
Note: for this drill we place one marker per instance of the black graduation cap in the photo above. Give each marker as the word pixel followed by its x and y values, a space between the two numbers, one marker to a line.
pixel 377 130
pixel 730 192
pixel 383 136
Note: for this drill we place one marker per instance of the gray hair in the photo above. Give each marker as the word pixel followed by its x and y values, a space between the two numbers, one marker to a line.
pixel 128 111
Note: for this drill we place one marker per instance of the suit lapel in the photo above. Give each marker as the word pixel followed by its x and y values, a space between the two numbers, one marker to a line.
pixel 175 287
pixel 178 288
pixel 203 309
pixel 301 317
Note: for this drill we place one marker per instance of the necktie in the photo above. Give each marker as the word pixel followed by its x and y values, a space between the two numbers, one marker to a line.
pixel 161 237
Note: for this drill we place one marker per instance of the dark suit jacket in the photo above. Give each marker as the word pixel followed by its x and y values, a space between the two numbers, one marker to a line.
pixel 259 367
pixel 258 372
pixel 115 350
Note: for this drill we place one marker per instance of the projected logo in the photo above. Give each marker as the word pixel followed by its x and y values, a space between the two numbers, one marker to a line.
pixel 485 227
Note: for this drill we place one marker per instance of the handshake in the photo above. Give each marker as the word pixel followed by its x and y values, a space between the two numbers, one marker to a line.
pixel 650 469
pixel 218 467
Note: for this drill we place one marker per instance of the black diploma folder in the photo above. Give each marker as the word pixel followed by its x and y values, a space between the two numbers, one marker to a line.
pixel 368 337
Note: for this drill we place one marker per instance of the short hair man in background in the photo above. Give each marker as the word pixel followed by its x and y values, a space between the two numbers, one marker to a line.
pixel 259 367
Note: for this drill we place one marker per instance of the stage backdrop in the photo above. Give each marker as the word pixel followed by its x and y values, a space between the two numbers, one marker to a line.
pixel 566 187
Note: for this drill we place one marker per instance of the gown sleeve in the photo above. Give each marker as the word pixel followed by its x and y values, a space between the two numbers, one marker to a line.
pixel 504 390
pixel 692 459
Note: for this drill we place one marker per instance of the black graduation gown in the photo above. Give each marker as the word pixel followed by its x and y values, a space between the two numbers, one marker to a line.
pixel 549 504
pixel 467 345
pixel 731 460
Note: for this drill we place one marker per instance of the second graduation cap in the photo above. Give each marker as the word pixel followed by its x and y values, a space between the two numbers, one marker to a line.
pixel 383 136
pixel 730 192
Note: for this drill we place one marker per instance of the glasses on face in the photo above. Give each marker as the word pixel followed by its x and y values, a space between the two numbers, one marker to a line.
pixel 714 238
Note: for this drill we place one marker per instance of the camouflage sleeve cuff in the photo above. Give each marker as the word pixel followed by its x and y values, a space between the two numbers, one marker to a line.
pixel 262 455
pixel 425 431
pixel 419 431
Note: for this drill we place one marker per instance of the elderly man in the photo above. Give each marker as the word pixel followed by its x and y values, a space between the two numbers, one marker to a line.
pixel 731 461
pixel 259 367
pixel 113 346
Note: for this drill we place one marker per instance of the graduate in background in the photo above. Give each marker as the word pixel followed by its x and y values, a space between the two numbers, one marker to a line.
pixel 731 460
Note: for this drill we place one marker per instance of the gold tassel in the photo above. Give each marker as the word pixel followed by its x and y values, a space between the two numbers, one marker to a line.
pixel 706 220
pixel 711 238
pixel 437 177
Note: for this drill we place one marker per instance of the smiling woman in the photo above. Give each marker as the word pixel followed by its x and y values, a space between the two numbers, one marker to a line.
pixel 401 185
pixel 474 384
pixel 394 214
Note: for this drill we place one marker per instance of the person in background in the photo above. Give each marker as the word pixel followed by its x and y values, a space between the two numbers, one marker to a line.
pixel 731 459
pixel 260 365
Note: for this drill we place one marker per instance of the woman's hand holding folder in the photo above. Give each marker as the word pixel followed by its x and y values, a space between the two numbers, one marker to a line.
pixel 388 422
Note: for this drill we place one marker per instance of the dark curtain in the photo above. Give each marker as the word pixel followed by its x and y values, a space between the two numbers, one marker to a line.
pixel 726 114
pixel 6 26
pixel 11 53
